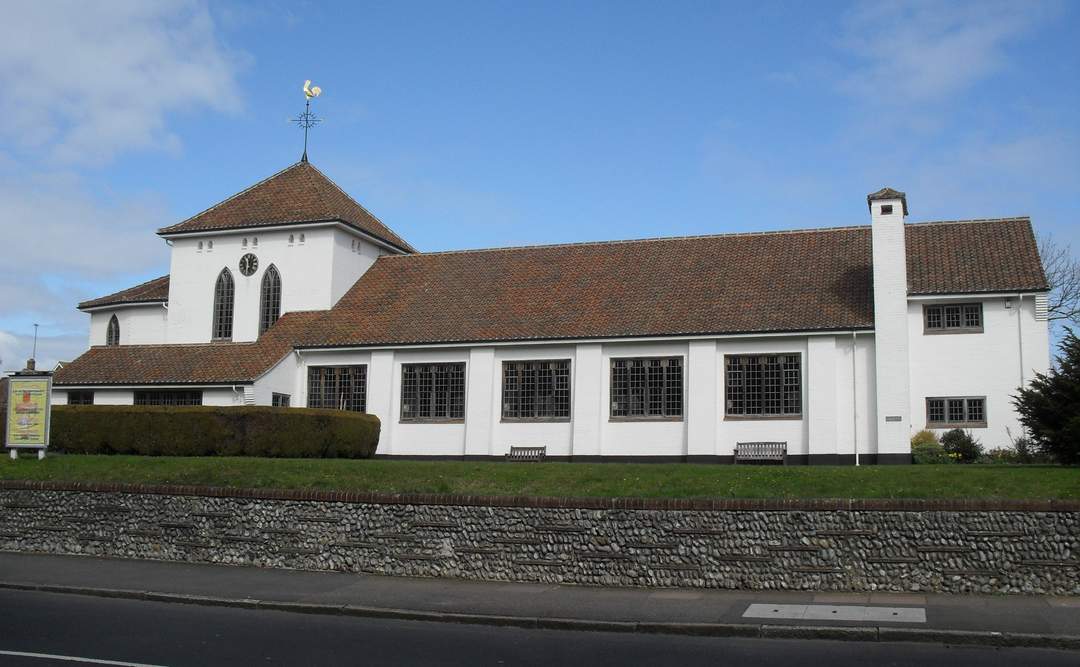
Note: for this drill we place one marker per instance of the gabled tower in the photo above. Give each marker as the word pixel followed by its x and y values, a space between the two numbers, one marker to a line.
pixel 316 238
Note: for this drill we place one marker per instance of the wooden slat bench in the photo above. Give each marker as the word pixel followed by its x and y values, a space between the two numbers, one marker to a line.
pixel 526 454
pixel 761 452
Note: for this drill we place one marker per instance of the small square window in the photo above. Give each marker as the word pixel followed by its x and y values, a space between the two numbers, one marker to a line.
pixel 886 209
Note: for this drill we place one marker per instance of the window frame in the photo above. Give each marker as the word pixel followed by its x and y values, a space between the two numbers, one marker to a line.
pixel 269 299
pixel 219 318
pixel 965 423
pixel 279 400
pixel 82 393
pixel 176 397
pixel 338 369
pixel 945 328
pixel 647 399
pixel 507 363
pixel 783 398
pixel 112 332
pixel 450 418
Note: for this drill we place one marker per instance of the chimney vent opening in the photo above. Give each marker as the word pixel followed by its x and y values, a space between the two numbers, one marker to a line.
pixel 886 209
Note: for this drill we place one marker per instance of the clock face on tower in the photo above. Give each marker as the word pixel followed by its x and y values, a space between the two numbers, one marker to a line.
pixel 248 264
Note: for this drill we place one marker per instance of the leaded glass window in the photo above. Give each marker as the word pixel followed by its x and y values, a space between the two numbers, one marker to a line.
pixel 112 332
pixel 168 397
pixel 338 387
pixel 647 388
pixel 763 385
pixel 433 392
pixel 224 291
pixel 270 298
pixel 536 390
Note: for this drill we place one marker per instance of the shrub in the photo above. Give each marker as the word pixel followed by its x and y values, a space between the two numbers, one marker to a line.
pixel 926 448
pixel 214 431
pixel 961 446
pixel 924 437
pixel 929 452
pixel 1049 406
pixel 1000 455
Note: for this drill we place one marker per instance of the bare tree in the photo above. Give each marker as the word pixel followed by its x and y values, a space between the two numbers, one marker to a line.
pixel 1063 273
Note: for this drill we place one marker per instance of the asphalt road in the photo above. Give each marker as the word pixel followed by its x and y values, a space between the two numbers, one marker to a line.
pixel 156 633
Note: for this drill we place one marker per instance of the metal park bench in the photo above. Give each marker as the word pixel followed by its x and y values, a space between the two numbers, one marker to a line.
pixel 761 452
pixel 526 454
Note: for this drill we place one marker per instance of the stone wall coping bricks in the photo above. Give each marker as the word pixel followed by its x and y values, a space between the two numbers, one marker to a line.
pixel 695 504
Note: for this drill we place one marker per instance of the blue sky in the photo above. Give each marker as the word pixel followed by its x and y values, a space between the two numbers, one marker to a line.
pixel 478 124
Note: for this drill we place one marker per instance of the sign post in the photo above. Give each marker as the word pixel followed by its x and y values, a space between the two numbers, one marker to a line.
pixel 29 411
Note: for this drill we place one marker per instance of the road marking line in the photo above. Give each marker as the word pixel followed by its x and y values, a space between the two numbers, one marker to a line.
pixel 74 658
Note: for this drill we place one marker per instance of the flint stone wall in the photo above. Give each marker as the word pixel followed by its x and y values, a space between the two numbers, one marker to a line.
pixel 813 545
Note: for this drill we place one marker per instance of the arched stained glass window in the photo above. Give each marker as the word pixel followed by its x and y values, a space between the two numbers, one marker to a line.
pixel 223 306
pixel 112 334
pixel 270 299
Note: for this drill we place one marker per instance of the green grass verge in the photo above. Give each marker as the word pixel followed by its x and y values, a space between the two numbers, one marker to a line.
pixel 564 479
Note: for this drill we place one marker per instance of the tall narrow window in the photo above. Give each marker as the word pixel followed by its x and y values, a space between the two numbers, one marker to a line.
pixel 270 301
pixel 112 333
pixel 223 306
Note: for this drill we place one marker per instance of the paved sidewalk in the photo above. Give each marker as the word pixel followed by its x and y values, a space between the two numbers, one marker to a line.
pixel 1000 620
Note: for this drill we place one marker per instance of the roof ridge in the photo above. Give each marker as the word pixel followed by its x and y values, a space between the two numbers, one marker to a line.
pixel 690 237
pixel 651 239
pixel 1014 218
pixel 359 205
pixel 232 197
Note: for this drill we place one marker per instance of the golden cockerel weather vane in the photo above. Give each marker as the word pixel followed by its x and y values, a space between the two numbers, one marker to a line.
pixel 308 120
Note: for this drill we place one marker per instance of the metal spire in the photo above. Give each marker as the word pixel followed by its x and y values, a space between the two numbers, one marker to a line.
pixel 308 120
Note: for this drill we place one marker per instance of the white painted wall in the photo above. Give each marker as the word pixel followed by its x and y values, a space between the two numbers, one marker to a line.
pixel 314 273
pixel 704 430
pixel 107 396
pixel 993 363
pixel 830 425
pixel 139 325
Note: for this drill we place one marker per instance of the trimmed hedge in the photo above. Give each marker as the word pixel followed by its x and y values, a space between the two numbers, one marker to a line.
pixel 214 431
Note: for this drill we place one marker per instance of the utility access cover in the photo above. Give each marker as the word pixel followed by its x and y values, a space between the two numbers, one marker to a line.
pixel 827 612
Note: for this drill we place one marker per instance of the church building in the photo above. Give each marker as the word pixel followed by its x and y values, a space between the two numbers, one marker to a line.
pixel 836 341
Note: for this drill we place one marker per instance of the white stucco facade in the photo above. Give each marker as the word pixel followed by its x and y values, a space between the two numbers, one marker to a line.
pixel 140 324
pixel 862 393
pixel 317 265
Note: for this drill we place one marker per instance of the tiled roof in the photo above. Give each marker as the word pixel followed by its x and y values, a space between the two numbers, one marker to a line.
pixel 738 283
pixel 973 256
pixel 210 363
pixel 807 280
pixel 730 284
pixel 151 291
pixel 298 194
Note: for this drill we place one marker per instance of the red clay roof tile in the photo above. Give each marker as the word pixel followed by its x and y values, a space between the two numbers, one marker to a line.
pixel 298 194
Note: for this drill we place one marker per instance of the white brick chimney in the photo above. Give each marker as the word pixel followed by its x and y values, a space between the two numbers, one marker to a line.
pixel 888 208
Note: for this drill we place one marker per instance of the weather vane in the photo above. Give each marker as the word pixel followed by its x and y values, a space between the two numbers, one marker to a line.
pixel 308 120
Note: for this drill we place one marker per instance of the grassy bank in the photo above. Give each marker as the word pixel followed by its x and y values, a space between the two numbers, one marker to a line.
pixel 564 479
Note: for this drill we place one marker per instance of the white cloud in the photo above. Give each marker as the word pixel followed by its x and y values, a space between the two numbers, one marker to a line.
pixel 84 81
pixel 912 52
pixel 80 84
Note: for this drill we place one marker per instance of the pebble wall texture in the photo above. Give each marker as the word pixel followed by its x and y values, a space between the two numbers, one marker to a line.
pixel 813 545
